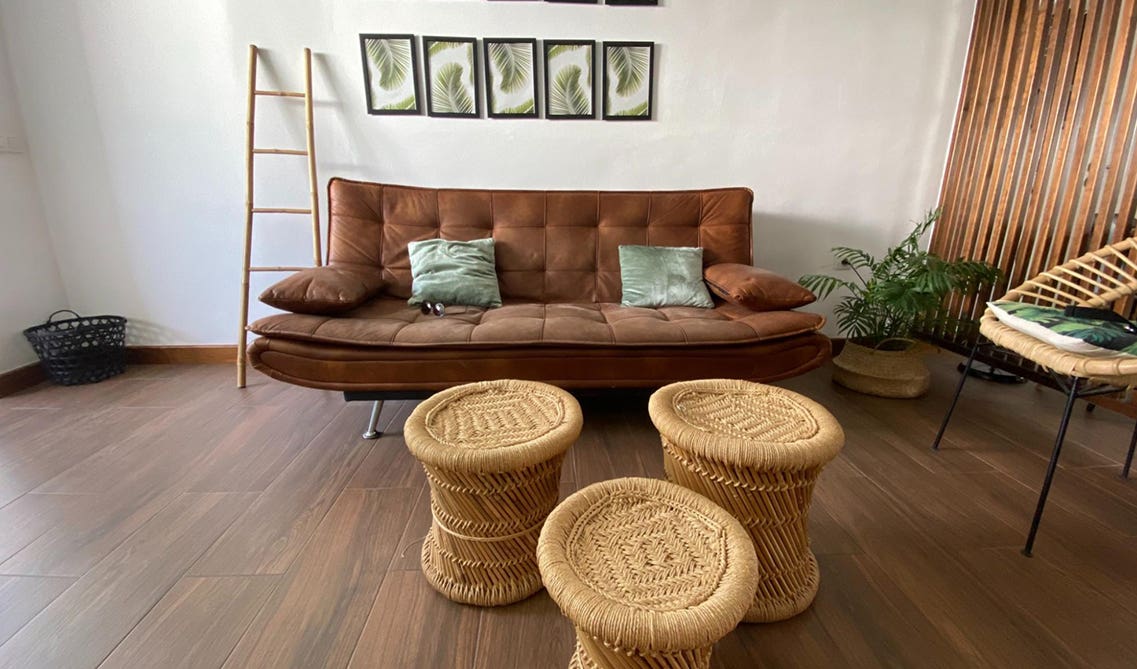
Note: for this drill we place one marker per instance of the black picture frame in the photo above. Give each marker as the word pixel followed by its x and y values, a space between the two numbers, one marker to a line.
pixel 550 79
pixel 649 81
pixel 474 90
pixel 488 67
pixel 413 73
pixel 653 3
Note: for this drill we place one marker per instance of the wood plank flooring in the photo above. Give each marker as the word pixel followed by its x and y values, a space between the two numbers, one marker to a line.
pixel 166 519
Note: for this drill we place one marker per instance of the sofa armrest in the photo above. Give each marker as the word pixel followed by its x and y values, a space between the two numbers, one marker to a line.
pixel 325 290
pixel 754 288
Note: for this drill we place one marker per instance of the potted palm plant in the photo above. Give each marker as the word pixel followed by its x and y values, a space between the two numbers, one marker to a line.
pixel 892 299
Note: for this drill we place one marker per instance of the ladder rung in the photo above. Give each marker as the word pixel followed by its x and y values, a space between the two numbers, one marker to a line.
pixel 282 152
pixel 280 210
pixel 281 94
pixel 277 269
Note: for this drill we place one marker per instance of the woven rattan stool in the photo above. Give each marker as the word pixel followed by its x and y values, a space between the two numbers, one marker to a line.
pixel 756 451
pixel 492 452
pixel 651 574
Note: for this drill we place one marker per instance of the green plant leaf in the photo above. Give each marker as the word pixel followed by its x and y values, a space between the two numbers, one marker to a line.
pixel 408 103
pixel 514 63
pixel 823 286
pixel 638 110
pixel 631 65
pixel 903 291
pixel 392 61
pixel 567 97
pixel 525 108
pixel 448 93
pixel 855 258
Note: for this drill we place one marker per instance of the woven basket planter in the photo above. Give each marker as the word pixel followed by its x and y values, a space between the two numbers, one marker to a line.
pixel 894 374
pixel 492 453
pixel 756 451
pixel 650 574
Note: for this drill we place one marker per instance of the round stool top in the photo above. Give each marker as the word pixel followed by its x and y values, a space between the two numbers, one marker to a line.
pixel 493 426
pixel 748 424
pixel 648 565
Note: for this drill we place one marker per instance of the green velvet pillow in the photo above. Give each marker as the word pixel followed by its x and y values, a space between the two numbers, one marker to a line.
pixel 663 276
pixel 459 273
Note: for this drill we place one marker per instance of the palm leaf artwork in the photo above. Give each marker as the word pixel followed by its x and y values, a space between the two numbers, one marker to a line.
pixel 448 93
pixel 408 103
pixel 638 110
pixel 392 61
pixel 558 49
pixel 436 48
pixel 630 65
pixel 525 108
pixel 514 62
pixel 566 96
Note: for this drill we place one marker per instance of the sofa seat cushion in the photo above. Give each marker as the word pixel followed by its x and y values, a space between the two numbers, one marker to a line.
pixel 390 322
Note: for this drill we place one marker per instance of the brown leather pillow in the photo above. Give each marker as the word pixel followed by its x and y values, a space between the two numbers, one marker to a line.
pixel 325 290
pixel 757 289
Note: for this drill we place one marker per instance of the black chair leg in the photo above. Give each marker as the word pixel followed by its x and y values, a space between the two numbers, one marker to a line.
pixel 1075 386
pixel 1129 455
pixel 958 392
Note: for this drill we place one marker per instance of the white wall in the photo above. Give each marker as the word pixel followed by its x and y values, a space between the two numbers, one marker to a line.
pixel 30 285
pixel 836 113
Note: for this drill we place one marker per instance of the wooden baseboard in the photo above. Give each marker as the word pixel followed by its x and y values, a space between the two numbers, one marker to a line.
pixel 27 376
pixel 21 378
pixel 181 355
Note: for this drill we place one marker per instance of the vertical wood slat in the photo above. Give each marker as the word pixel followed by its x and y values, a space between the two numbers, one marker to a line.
pixel 972 141
pixel 1016 152
pixel 1052 80
pixel 991 91
pixel 1094 54
pixel 1017 55
pixel 1041 165
pixel 960 160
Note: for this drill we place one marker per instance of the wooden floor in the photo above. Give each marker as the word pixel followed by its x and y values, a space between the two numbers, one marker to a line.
pixel 165 519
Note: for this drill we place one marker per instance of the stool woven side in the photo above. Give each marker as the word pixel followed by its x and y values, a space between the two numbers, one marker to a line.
pixel 756 451
pixel 492 453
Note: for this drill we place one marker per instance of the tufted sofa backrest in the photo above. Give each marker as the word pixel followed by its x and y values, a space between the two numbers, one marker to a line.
pixel 551 246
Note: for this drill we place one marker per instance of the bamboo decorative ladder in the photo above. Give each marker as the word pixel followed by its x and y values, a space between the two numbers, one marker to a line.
pixel 252 211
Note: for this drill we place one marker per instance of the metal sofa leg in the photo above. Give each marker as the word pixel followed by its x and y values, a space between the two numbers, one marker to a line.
pixel 373 422
pixel 1075 387
pixel 1129 455
pixel 958 392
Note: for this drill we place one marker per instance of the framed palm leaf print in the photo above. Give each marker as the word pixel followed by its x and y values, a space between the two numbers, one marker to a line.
pixel 390 74
pixel 570 80
pixel 511 77
pixel 629 73
pixel 452 76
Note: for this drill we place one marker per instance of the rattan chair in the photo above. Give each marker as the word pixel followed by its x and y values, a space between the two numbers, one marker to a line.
pixel 1097 279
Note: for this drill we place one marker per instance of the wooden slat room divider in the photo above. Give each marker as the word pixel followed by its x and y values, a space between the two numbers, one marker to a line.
pixel 1041 166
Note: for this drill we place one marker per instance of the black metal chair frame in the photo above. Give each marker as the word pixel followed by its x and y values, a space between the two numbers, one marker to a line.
pixel 1075 388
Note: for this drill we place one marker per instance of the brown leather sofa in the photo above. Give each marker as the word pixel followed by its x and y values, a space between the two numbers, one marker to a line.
pixel 559 274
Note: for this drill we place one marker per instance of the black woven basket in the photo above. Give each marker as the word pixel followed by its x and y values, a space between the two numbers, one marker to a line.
pixel 84 349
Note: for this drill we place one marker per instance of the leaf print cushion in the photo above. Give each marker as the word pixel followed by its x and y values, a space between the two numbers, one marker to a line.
pixel 1085 336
